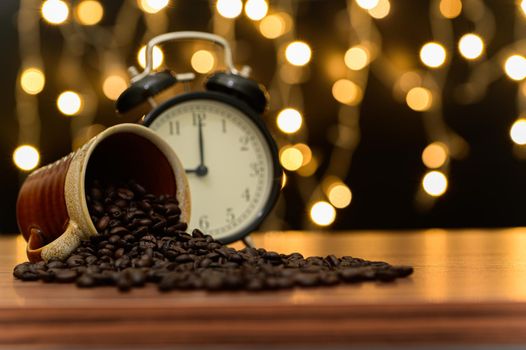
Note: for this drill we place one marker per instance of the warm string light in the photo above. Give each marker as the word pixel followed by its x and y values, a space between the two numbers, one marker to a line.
pixel 367 4
pixel 518 132
pixel 347 92
pixel 158 57
pixel 256 9
pixel 202 61
pixel 229 8
pixel 435 183
pixel 289 120
pixel 55 11
pixel 298 53
pixel 32 80
pixel 275 25
pixel 419 99
pixel 322 213
pixel 381 10
pixel 471 46
pixel 291 158
pixel 113 86
pixel 515 67
pixel 435 155
pixel 450 8
pixel 433 54
pixel 26 157
pixel 152 6
pixel 89 12
pixel 69 103
pixel 357 57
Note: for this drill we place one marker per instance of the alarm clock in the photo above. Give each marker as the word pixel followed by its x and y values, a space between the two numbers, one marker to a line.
pixel 230 157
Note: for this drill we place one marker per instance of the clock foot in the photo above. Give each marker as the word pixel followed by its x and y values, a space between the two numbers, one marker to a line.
pixel 248 242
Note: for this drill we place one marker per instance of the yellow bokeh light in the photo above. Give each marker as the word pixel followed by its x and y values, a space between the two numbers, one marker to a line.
pixel 305 152
pixel 435 155
pixel 55 11
pixel 69 102
pixel 523 89
pixel 283 180
pixel 298 53
pixel 357 57
pixel 152 6
pixel 450 8
pixel 523 7
pixel 273 26
pixel 308 168
pixel 347 92
pixel 433 54
pixel 289 120
pixel 381 10
pixel 471 46
pixel 32 80
pixel 419 99
pixel 518 131
pixel 89 12
pixel 256 9
pixel 229 8
pixel 339 195
pixel 367 4
pixel 435 183
pixel 158 57
pixel 113 86
pixel 291 158
pixel 409 80
pixel 515 67
pixel 202 61
pixel 26 157
pixel 322 213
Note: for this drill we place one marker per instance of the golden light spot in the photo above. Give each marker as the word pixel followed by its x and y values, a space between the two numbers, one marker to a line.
pixel 367 4
pixel 419 99
pixel 298 53
pixel 523 7
pixel 256 9
pixel 433 54
pixel 381 10
pixel 152 6
pixel 158 57
pixel 322 213
pixel 471 46
pixel 339 195
pixel 409 80
pixel 283 180
pixel 435 155
pixel 450 8
pixel 55 11
pixel 308 168
pixel 357 57
pixel 305 152
pixel 291 158
pixel 203 61
pixel 229 8
pixel 32 80
pixel 273 26
pixel 69 102
pixel 113 86
pixel 26 157
pixel 289 120
pixel 435 183
pixel 518 131
pixel 89 12
pixel 347 92
pixel 515 67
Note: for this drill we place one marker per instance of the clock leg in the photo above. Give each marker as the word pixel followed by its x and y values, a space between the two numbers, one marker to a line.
pixel 248 242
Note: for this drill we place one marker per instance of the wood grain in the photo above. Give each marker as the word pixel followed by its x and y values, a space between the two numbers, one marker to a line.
pixel 469 287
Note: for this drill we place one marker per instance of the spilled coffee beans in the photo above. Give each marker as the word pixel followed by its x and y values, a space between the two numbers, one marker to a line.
pixel 142 240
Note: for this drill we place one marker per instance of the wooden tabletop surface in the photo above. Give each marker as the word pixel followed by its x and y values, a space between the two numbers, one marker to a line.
pixel 469 288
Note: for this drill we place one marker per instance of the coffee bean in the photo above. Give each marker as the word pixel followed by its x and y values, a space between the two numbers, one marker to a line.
pixel 65 275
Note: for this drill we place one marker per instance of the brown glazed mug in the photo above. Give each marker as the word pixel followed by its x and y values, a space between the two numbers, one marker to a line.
pixel 52 211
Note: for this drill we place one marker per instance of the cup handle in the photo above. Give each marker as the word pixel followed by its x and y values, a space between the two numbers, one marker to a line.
pixel 59 248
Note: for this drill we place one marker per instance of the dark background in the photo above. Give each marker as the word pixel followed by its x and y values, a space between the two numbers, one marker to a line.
pixel 486 189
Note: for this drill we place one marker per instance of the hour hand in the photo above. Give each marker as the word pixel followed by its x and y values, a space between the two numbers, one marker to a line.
pixel 201 170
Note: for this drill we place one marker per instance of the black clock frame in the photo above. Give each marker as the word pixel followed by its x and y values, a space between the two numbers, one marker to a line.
pixel 258 122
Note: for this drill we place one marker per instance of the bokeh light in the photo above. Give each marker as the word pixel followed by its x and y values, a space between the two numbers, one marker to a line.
pixel 229 8
pixel 289 120
pixel 55 11
pixel 357 57
pixel 291 158
pixel 202 61
pixel 433 54
pixel 381 10
pixel 523 7
pixel 32 80
pixel 518 131
pixel 419 99
pixel 515 67
pixel 89 12
pixel 367 4
pixel 26 157
pixel 306 152
pixel 152 6
pixel 113 86
pixel 274 26
pixel 471 46
pixel 283 180
pixel 256 9
pixel 435 183
pixel 69 102
pixel 158 57
pixel 450 8
pixel 309 168
pixel 435 155
pixel 322 213
pixel 298 53
pixel 347 92
pixel 339 195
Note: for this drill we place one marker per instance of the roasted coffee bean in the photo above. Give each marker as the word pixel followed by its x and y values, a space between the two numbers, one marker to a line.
pixel 65 275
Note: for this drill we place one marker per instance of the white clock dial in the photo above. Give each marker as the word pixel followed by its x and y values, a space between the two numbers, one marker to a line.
pixel 239 169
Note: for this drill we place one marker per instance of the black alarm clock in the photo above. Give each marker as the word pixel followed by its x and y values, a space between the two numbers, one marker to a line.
pixel 230 157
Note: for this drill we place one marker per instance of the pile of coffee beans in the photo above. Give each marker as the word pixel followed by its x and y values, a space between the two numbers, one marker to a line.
pixel 142 240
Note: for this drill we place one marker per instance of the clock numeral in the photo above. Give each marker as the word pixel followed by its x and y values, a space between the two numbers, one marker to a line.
pixel 255 169
pixel 177 128
pixel 230 216
pixel 171 128
pixel 246 194
pixel 244 140
pixel 196 116
pixel 223 126
pixel 204 224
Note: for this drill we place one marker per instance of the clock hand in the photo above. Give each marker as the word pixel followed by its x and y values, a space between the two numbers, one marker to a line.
pixel 201 170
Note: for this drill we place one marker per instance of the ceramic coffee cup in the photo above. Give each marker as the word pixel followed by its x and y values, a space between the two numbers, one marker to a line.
pixel 52 211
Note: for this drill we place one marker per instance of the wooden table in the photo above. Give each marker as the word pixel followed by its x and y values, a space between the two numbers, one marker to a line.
pixel 469 288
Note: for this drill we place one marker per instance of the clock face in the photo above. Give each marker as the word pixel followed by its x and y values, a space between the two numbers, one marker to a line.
pixel 231 181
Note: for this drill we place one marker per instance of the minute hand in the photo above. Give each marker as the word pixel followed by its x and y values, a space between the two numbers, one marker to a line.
pixel 201 170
